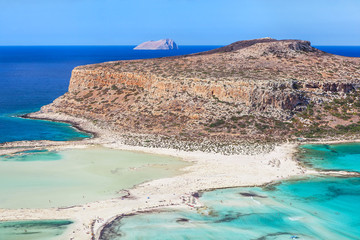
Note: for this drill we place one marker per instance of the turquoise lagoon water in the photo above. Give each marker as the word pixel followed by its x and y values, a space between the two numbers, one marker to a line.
pixel 13 128
pixel 33 230
pixel 32 155
pixel 43 179
pixel 332 157
pixel 310 208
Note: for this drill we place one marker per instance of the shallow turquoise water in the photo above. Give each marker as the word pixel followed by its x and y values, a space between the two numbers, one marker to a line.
pixel 43 179
pixel 33 230
pixel 311 208
pixel 17 129
pixel 332 157
pixel 32 155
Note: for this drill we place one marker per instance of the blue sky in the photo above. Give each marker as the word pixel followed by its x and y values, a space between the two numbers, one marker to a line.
pixel 188 22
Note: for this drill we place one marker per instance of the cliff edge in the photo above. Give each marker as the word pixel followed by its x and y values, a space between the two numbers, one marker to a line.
pixel 256 89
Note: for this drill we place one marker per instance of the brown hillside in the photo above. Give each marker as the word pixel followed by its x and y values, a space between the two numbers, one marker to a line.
pixel 254 89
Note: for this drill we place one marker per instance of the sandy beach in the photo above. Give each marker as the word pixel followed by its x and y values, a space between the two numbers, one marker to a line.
pixel 207 171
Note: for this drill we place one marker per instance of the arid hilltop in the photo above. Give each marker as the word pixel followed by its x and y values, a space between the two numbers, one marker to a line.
pixel 255 89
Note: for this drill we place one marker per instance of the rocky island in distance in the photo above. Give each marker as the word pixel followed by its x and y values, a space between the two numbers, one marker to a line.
pixel 162 44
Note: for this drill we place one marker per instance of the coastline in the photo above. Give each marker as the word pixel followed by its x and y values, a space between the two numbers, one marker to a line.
pixel 168 192
pixel 356 139
pixel 108 135
pixel 76 125
pixel 208 171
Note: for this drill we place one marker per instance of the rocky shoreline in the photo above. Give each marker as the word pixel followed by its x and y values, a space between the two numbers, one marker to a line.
pixel 75 124
pixel 106 134
pixel 101 134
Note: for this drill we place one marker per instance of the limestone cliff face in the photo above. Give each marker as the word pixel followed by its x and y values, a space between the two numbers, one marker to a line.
pixel 265 78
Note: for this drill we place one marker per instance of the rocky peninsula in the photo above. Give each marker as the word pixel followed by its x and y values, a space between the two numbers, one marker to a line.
pixel 262 89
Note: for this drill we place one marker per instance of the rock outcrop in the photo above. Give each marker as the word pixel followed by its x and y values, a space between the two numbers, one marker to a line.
pixel 163 44
pixel 247 89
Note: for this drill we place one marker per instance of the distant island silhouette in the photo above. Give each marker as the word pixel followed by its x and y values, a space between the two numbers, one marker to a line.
pixel 163 44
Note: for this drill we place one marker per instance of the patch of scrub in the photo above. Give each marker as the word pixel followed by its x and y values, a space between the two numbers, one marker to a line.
pixel 33 230
pixel 332 157
pixel 314 208
pixel 79 176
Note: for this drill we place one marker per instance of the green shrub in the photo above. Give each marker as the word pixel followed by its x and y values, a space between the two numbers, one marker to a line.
pixel 217 123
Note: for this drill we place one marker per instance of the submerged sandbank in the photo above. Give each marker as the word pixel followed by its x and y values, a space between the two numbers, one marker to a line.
pixel 207 171
pixel 44 179
pixel 312 207
pixel 33 230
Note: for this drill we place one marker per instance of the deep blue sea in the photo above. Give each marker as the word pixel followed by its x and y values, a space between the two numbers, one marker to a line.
pixel 31 77
pixel 348 51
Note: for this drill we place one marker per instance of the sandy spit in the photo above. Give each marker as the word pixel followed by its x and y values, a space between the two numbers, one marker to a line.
pixel 208 171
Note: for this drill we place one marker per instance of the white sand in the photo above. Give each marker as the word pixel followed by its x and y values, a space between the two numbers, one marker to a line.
pixel 208 171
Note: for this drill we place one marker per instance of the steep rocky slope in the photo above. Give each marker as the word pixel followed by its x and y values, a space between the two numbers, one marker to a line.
pixel 255 89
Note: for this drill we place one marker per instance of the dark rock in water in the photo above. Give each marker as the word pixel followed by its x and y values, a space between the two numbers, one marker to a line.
pixel 196 195
pixel 181 220
pixel 230 217
pixel 277 234
pixel 246 194
pixel 163 44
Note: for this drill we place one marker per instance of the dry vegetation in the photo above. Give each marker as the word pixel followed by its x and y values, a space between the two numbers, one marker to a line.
pixel 272 90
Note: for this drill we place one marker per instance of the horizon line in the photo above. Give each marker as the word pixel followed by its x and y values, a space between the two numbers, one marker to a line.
pixel 130 45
